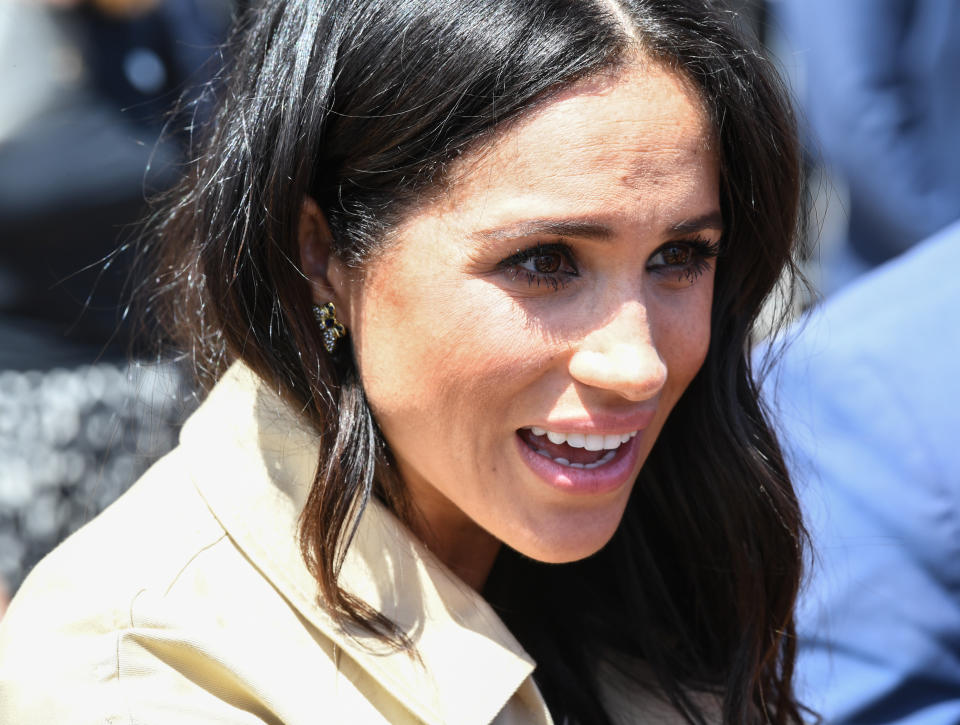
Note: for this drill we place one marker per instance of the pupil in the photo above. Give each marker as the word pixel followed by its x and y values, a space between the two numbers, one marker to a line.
pixel 677 256
pixel 547 263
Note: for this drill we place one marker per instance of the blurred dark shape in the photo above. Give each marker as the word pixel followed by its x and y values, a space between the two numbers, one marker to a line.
pixel 74 178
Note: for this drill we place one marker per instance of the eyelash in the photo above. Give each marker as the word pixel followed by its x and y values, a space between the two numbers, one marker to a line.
pixel 701 251
pixel 556 280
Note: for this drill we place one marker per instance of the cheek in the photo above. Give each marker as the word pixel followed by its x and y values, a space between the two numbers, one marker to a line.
pixel 682 336
pixel 439 352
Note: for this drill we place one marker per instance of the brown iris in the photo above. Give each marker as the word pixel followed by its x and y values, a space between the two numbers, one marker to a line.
pixel 677 255
pixel 548 263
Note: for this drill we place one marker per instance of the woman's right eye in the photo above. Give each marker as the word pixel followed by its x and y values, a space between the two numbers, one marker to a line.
pixel 544 264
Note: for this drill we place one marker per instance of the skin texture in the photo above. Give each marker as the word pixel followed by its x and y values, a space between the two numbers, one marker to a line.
pixel 458 351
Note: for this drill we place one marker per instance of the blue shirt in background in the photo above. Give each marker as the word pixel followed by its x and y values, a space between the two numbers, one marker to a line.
pixel 869 401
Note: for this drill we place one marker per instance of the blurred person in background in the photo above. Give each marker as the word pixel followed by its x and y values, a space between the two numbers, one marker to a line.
pixel 868 396
pixel 880 87
pixel 78 154
pixel 86 87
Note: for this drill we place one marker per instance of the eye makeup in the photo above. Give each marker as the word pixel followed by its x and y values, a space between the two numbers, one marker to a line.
pixel 542 265
pixel 687 258
pixel 553 265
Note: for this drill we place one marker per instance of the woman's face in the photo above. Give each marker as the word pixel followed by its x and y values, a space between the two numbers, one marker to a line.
pixel 525 335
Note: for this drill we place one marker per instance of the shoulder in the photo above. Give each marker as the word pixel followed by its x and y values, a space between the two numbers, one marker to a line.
pixel 872 433
pixel 140 541
pixel 64 625
pixel 153 613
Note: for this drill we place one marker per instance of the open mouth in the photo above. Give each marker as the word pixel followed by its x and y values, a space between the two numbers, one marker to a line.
pixel 575 450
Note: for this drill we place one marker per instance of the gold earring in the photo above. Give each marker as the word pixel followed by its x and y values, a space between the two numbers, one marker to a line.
pixel 326 316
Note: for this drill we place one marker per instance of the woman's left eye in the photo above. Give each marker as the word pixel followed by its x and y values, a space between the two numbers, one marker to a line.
pixel 544 264
pixel 687 259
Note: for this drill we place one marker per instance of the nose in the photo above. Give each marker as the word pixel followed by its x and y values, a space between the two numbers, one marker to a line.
pixel 620 356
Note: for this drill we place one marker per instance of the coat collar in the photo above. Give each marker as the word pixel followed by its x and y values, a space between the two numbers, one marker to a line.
pixel 257 462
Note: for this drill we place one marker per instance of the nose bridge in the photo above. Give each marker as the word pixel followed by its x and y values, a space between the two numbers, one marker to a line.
pixel 620 354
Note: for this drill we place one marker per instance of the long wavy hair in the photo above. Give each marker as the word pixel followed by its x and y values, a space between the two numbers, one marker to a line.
pixel 362 105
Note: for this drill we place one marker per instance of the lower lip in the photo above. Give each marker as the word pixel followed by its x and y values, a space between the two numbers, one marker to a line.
pixel 585 481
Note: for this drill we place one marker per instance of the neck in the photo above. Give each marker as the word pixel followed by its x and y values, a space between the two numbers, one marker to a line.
pixel 466 549
pixel 471 560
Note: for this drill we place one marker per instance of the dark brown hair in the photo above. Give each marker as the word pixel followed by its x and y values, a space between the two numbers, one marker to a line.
pixel 362 104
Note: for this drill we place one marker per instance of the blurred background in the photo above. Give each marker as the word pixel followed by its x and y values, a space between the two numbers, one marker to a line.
pixel 98 101
pixel 87 135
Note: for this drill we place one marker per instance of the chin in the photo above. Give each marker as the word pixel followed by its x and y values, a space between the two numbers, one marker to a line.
pixel 568 544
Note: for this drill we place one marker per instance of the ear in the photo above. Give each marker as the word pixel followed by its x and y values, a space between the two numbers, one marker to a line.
pixel 319 265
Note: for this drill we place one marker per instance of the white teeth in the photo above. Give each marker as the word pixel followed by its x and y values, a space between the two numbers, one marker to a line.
pixel 576 440
pixel 593 442
pixel 557 438
pixel 605 458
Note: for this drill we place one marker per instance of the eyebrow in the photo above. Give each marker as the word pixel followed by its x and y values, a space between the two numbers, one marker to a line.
pixel 711 220
pixel 590 229
pixel 550 227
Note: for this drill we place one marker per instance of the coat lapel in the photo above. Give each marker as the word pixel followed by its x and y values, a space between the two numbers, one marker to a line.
pixel 257 460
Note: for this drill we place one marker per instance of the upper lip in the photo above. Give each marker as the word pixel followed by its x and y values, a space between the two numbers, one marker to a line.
pixel 606 424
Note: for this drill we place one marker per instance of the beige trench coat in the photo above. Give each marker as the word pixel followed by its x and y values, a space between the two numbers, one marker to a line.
pixel 187 601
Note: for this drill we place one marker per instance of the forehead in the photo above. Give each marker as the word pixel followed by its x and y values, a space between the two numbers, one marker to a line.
pixel 640 131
